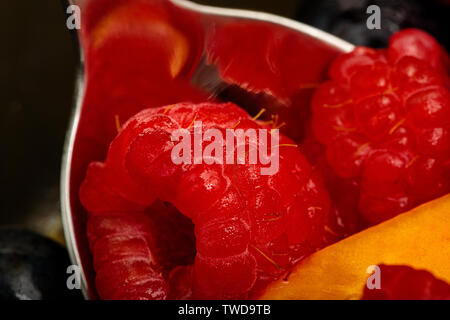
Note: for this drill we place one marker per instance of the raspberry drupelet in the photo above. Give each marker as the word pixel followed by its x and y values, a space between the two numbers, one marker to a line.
pixel 249 228
pixel 384 118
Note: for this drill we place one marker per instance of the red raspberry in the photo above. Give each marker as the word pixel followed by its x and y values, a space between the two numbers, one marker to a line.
pixel 249 228
pixel 406 283
pixel 384 118
pixel 344 193
pixel 131 243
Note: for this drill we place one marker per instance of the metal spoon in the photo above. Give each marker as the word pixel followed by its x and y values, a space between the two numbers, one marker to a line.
pixel 72 213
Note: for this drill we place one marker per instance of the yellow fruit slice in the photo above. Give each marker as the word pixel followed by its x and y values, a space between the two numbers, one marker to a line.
pixel 419 238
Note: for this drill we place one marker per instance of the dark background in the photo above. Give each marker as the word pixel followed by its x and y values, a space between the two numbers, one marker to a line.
pixel 37 68
pixel 37 64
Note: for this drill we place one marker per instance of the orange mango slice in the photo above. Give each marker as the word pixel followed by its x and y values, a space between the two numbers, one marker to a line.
pixel 419 238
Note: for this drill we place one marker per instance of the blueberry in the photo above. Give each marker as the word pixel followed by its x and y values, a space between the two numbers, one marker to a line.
pixel 347 19
pixel 32 267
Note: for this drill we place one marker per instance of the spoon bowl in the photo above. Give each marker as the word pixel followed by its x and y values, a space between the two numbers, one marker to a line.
pixel 217 73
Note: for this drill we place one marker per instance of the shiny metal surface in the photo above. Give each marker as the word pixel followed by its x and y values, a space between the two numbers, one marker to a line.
pixel 208 14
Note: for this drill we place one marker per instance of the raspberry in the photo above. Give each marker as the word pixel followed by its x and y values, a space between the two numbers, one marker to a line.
pixel 131 243
pixel 384 118
pixel 249 228
pixel 406 283
pixel 344 193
